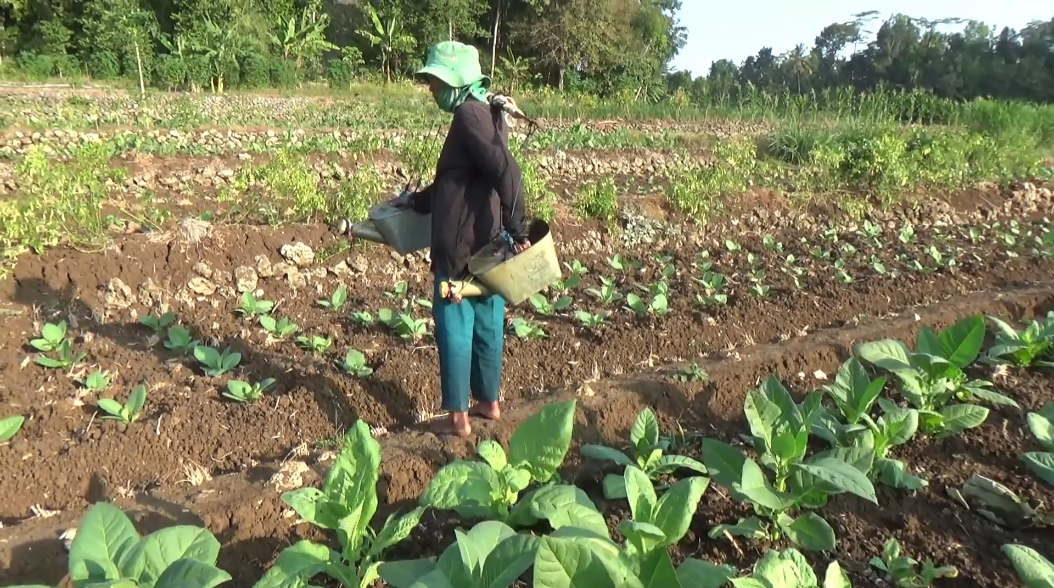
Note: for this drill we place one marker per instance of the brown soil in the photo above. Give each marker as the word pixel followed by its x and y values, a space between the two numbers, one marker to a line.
pixel 66 457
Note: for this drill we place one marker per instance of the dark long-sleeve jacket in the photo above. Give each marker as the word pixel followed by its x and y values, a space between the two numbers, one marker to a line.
pixel 478 189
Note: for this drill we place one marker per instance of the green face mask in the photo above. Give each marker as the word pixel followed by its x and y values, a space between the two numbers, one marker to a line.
pixel 450 98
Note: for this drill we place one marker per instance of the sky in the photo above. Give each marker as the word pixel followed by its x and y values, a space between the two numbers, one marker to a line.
pixel 737 29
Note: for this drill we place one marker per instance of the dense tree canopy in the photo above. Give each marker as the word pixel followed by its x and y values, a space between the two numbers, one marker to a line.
pixel 603 47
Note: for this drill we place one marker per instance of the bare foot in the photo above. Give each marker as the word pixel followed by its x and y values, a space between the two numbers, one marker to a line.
pixel 488 410
pixel 457 425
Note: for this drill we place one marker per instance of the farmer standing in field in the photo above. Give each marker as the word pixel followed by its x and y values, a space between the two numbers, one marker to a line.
pixel 476 195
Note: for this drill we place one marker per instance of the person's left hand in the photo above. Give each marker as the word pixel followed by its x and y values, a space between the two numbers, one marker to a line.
pixel 521 246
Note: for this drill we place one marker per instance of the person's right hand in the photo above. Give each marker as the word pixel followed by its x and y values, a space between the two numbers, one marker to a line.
pixel 403 201
pixel 521 246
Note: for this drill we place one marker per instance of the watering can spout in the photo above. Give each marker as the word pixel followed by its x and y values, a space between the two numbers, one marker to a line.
pixel 366 230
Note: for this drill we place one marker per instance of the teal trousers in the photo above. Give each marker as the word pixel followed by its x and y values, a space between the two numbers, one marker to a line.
pixel 469 336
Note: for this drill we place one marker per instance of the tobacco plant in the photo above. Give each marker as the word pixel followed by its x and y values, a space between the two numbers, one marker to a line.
pixel 1034 346
pixel 1034 570
pixel 931 377
pixel 355 364
pixel 1041 463
pixel 854 392
pixel 345 504
pixel 789 569
pixel 126 413
pixel 251 306
pixel 902 569
pixel 646 451
pixel 337 300
pixel 280 329
pixel 240 391
pixel 9 427
pixel 216 363
pixel 180 340
pixel 158 323
pixel 108 551
pixel 794 481
pixel 52 336
pixel 491 488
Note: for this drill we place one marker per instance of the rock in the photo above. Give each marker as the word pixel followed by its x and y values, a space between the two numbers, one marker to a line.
pixel 341 270
pixel 263 266
pixel 360 264
pixel 202 269
pixel 245 279
pixel 117 295
pixel 298 253
pixel 150 293
pixel 202 286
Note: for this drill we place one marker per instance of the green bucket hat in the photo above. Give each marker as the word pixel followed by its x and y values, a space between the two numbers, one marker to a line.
pixel 456 64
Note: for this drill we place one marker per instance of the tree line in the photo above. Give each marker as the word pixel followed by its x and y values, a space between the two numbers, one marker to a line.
pixel 607 48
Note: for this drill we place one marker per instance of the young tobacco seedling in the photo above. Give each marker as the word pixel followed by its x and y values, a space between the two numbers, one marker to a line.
pixel 491 487
pixel 933 376
pixel 607 294
pixel 129 412
pixel 902 569
pixel 355 364
pixel 404 325
pixel 592 321
pixel 345 504
pixel 157 324
pixel 97 381
pixel 107 551
pixel 362 318
pixel 250 306
pixel 9 427
pixel 51 338
pixel 657 306
pixel 315 343
pixel 544 307
pixel 280 329
pixel 337 300
pixel 789 569
pixel 780 434
pixel 65 360
pixel 646 452
pixel 216 364
pixel 692 373
pixel 1033 346
pixel 240 391
pixel 179 340
pixel 527 330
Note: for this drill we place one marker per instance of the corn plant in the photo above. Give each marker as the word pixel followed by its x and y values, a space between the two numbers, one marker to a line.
pixel 216 363
pixel 126 413
pixel 240 391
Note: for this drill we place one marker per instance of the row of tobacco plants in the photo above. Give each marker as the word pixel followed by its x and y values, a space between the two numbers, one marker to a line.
pixel 530 520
